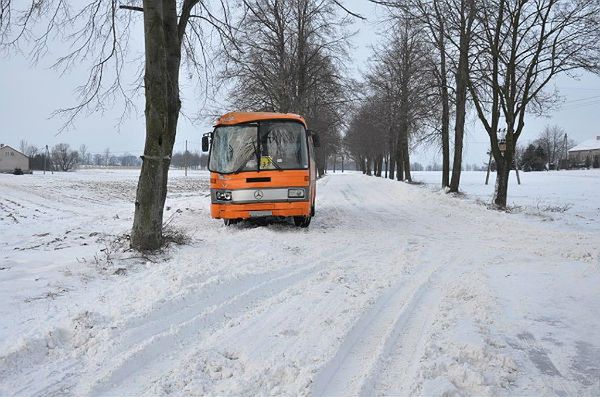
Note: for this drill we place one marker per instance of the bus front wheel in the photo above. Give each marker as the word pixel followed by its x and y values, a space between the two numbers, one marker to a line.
pixel 229 222
pixel 302 221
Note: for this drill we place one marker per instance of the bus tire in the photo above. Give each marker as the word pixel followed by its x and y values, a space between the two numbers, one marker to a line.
pixel 302 221
pixel 229 222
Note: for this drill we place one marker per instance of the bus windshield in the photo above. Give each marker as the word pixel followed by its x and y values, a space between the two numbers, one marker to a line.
pixel 268 145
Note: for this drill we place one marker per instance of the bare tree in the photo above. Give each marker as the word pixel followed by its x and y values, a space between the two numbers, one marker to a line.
pixel 175 33
pixel 552 140
pixel 63 157
pixel 520 47
pixel 326 105
pixel 84 154
pixel 27 149
pixel 98 159
pixel 286 56
pixel 448 26
pixel 402 76
pixel 466 18
pixel 367 135
pixel 106 157
pixel 436 23
pixel 433 14
pixel 400 104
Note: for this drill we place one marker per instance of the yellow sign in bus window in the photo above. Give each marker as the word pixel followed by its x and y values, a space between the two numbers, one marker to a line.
pixel 266 162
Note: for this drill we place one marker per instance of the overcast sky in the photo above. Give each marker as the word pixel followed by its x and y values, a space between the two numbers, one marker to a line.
pixel 30 93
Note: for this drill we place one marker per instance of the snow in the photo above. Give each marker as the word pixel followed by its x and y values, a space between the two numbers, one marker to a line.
pixel 565 198
pixel 394 289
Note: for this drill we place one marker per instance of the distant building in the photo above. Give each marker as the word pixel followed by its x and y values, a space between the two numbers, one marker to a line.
pixel 11 160
pixel 587 153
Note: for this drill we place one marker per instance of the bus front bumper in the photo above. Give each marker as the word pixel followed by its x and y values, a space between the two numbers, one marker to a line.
pixel 257 210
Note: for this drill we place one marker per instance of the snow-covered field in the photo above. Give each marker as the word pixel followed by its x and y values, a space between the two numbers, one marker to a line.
pixel 395 289
pixel 565 198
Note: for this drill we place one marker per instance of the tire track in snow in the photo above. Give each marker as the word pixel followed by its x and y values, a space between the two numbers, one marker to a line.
pixel 147 337
pixel 169 328
pixel 394 329
pixel 373 336
pixel 397 362
pixel 141 352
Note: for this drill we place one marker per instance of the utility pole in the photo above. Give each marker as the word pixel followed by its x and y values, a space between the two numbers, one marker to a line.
pixel 45 156
pixel 566 152
pixel 487 176
pixel 185 157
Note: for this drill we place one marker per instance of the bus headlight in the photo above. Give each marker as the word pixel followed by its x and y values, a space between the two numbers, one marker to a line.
pixel 295 193
pixel 223 195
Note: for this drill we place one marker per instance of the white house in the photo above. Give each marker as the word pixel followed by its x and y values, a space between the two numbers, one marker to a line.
pixel 11 159
pixel 587 151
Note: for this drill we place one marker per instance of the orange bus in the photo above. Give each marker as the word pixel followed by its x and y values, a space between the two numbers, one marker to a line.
pixel 262 165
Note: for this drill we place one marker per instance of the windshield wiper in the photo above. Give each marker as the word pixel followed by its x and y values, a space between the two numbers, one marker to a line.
pixel 241 167
pixel 275 164
pixel 255 153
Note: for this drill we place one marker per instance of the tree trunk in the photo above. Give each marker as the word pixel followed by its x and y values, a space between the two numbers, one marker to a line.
pixel 379 164
pixel 361 164
pixel 445 130
pixel 458 148
pixel 406 156
pixel 320 171
pixel 321 160
pixel 399 164
pixel 375 163
pixel 392 159
pixel 445 98
pixel 301 48
pixel 503 165
pixel 462 79
pixel 501 189
pixel 161 86
pixel 387 164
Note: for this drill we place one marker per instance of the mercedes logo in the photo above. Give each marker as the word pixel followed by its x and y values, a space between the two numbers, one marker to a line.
pixel 258 194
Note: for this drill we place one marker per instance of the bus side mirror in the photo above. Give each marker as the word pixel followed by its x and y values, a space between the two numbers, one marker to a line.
pixel 315 137
pixel 205 143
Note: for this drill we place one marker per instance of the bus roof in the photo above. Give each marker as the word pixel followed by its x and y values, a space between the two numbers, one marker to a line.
pixel 232 118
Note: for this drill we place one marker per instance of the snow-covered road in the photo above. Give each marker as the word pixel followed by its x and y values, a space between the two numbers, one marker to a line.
pixel 394 290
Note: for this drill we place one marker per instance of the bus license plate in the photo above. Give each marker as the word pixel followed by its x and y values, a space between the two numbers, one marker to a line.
pixel 260 213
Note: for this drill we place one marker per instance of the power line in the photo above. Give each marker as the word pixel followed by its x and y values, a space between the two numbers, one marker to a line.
pixel 580 105
pixel 578 88
pixel 582 99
